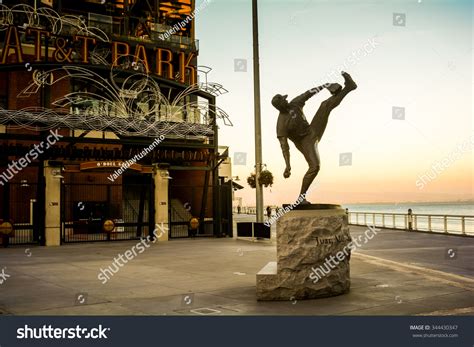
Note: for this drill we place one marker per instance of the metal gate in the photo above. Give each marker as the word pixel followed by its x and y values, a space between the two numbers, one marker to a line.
pixel 18 205
pixel 186 202
pixel 85 207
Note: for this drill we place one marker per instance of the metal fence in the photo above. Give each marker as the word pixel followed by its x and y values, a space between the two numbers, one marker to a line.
pixel 85 207
pixel 245 210
pixel 451 224
pixel 437 223
pixel 18 206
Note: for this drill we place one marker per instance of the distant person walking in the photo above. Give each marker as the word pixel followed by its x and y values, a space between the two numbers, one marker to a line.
pixel 238 209
pixel 269 212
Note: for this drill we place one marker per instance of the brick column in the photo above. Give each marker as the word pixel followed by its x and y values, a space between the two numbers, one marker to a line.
pixel 52 205
pixel 161 202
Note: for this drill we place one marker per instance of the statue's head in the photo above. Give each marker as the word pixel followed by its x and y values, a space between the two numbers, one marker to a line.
pixel 279 102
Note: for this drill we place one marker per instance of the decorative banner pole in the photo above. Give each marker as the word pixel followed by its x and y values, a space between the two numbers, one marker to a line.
pixel 36 12
pixel 258 125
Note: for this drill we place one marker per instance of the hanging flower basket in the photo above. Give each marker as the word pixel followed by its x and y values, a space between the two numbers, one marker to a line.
pixel 251 180
pixel 265 179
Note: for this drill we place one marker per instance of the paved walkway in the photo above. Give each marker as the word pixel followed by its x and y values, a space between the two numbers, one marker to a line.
pixel 397 273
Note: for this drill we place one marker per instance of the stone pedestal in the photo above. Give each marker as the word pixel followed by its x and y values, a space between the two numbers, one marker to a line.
pixel 313 252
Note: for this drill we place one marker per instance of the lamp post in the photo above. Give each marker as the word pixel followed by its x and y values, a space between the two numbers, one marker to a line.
pixel 258 125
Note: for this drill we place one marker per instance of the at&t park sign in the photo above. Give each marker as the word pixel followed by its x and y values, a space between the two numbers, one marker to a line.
pixel 42 46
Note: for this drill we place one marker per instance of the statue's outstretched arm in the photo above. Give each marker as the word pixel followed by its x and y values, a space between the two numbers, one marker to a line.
pixel 285 148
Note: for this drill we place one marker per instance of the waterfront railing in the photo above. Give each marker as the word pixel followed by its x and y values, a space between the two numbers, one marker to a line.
pixel 436 223
pixel 439 223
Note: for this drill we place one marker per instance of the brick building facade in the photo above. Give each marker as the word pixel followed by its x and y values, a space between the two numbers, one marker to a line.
pixel 100 76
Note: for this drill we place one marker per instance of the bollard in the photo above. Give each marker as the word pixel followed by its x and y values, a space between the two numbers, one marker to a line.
pixel 5 240
pixel 410 219
pixel 6 231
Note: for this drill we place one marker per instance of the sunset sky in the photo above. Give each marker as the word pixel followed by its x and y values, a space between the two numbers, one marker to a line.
pixel 424 64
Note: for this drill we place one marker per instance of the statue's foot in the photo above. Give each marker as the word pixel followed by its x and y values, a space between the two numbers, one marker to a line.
pixel 348 81
pixel 305 202
pixel 334 88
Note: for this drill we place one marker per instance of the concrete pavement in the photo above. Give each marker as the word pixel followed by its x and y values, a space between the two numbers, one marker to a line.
pixel 397 273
